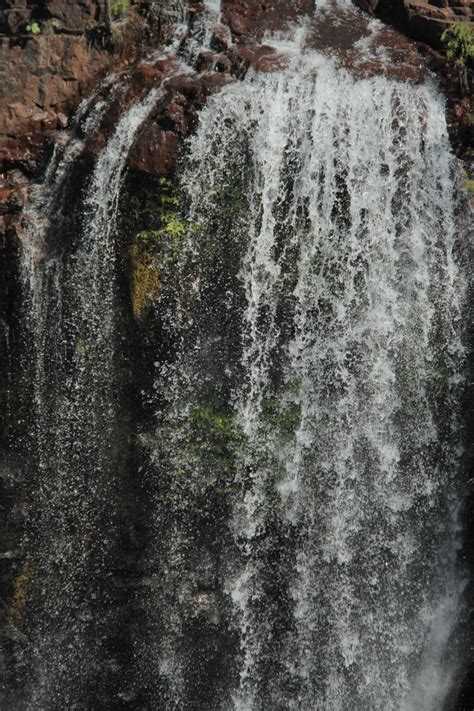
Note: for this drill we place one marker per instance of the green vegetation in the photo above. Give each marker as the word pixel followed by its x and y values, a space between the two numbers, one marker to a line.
pixel 33 28
pixel 197 457
pixel 459 41
pixel 119 8
pixel 282 417
pixel 146 440
pixel 144 276
pixel 157 247
pixel 216 423
pixel 80 349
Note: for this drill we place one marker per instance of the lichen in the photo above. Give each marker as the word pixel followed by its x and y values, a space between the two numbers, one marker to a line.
pixel 470 187
pixel 144 278
pixel 17 604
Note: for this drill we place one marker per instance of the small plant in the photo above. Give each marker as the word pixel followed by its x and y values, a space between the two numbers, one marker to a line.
pixel 33 28
pixel 459 41
pixel 154 250
pixel 119 8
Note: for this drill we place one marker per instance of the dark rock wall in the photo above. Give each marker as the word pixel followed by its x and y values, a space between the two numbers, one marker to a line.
pixel 425 21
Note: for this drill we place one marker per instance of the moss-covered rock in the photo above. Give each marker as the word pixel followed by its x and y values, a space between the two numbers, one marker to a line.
pixel 157 247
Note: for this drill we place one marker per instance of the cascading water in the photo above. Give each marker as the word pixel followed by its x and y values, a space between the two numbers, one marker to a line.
pixel 299 451
pixel 71 316
pixel 343 389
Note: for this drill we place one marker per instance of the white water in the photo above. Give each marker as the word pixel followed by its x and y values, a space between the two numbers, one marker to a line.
pixel 72 317
pixel 352 230
pixel 206 20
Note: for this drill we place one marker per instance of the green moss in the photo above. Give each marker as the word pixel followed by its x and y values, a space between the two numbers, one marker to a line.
pixel 119 8
pixel 214 420
pixel 80 349
pixel 470 186
pixel 281 416
pixel 155 249
pixel 197 453
pixel 146 440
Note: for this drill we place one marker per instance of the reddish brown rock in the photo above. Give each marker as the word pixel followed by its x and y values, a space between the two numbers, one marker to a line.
pixel 250 19
pixel 156 147
pixel 345 35
pixel 43 79
pixel 155 150
pixel 130 86
pixel 422 20
pixel 14 19
pixel 210 61
pixel 221 38
pixel 11 200
pixel 262 58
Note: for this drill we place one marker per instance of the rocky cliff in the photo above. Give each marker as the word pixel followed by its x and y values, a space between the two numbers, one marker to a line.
pixel 52 53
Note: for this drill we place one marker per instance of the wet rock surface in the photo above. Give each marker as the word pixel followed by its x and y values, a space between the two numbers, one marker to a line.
pixel 424 21
pixel 44 76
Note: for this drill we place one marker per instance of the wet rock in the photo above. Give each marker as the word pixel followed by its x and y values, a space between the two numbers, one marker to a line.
pixel 428 22
pixel 221 39
pixel 210 61
pixel 155 151
pixel 11 200
pixel 262 58
pixel 156 147
pixel 424 21
pixel 203 603
pixel 129 87
pixel 346 36
pixel 250 19
pixel 21 152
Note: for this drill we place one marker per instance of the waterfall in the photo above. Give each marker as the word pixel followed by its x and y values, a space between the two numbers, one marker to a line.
pixel 345 385
pixel 296 443
pixel 71 302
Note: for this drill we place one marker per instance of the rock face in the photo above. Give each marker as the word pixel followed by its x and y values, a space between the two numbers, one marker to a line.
pixel 43 76
pixel 66 15
pixel 425 21
pixel 249 21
